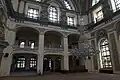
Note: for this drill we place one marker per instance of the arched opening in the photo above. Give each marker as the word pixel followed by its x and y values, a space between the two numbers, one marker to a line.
pixel 52 63
pixel 73 40
pixel 105 56
pixel 24 62
pixel 27 38
pixel 53 39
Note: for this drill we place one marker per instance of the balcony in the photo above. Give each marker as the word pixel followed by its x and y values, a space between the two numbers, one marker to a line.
pixel 25 48
pixel 53 50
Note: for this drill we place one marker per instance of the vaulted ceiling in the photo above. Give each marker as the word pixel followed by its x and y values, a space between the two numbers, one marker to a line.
pixel 81 6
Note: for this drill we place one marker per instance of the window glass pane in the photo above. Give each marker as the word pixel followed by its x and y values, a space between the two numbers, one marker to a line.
pixel 22 44
pixel 33 13
pixel 99 15
pixel 105 55
pixel 70 21
pixel 53 14
pixel 21 63
pixel 115 5
pixel 33 62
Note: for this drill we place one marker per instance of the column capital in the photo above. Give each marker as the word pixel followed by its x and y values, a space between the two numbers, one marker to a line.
pixel 41 31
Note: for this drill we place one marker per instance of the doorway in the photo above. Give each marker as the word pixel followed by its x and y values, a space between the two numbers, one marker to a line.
pixel 52 63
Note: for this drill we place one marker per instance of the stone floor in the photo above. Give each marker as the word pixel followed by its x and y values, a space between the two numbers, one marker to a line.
pixel 73 76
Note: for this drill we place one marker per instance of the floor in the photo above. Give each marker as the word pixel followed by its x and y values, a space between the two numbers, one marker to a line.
pixel 73 76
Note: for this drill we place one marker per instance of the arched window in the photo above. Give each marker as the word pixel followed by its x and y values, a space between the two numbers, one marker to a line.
pixel 53 14
pixel 95 2
pixel 67 5
pixel 22 44
pixel 105 59
pixel 115 5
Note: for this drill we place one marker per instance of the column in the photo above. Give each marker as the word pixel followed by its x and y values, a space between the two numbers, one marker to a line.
pixel 40 54
pixel 66 56
pixel 7 61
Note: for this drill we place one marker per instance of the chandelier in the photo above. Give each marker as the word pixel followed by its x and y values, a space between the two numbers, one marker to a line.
pixel 85 49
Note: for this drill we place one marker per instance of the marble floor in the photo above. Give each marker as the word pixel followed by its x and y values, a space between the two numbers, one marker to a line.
pixel 73 76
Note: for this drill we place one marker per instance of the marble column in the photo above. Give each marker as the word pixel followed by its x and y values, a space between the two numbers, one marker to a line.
pixel 40 54
pixel 66 56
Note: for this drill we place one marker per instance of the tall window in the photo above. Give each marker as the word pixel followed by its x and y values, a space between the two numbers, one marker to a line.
pixel 67 5
pixel 95 2
pixel 70 21
pixel 53 14
pixel 115 5
pixel 99 15
pixel 105 59
pixel 33 62
pixel 21 63
pixel 33 13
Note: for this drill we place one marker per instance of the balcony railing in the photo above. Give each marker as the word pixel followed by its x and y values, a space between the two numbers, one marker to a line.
pixel 53 50
pixel 25 48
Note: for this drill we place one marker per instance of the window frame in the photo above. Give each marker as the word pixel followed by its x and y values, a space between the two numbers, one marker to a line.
pixel 99 17
pixel 33 62
pixel 21 61
pixel 53 13
pixel 31 15
pixel 115 4
pixel 99 8
pixel 69 22
pixel 105 56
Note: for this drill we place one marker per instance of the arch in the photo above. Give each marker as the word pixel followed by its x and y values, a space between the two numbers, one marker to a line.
pixel 31 28
pixel 74 34
pixel 105 55
pixel 56 2
pixel 73 41
pixel 21 62
pixel 57 32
